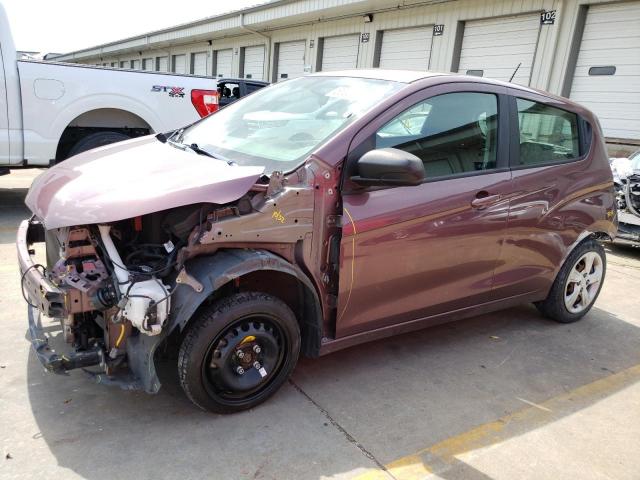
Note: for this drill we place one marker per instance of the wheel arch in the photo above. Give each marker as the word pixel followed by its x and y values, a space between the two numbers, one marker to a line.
pixel 109 117
pixel 95 120
pixel 85 107
pixel 250 270
pixel 595 234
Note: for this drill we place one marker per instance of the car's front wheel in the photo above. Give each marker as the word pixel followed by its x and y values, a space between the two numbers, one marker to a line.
pixel 238 352
pixel 577 285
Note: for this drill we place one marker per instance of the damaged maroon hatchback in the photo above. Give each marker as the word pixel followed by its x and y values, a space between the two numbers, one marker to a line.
pixel 315 214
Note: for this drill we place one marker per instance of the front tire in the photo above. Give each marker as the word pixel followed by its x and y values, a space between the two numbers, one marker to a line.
pixel 577 285
pixel 238 352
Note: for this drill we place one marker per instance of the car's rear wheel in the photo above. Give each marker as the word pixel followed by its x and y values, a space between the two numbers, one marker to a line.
pixel 577 285
pixel 238 352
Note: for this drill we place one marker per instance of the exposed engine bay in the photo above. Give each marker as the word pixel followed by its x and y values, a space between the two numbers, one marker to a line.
pixel 118 280
pixel 627 188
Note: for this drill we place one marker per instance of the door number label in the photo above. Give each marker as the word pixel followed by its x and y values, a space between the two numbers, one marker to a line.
pixel 548 17
pixel 438 30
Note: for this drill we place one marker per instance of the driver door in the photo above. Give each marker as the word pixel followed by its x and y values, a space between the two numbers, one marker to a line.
pixel 414 252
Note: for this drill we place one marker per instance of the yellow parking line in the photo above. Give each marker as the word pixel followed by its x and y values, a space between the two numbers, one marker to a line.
pixel 440 456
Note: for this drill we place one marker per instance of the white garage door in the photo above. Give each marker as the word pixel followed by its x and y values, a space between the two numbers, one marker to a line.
pixel 199 63
pixel 224 62
pixel 254 62
pixel 340 53
pixel 162 64
pixel 607 75
pixel 147 63
pixel 407 48
pixel 494 47
pixel 290 60
pixel 179 63
pixel 135 64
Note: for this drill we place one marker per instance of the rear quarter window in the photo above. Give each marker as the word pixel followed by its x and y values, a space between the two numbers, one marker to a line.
pixel 252 87
pixel 547 134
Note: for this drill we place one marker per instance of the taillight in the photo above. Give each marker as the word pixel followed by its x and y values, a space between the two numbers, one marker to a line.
pixel 205 101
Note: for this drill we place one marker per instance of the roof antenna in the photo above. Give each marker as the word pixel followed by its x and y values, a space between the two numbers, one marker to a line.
pixel 514 72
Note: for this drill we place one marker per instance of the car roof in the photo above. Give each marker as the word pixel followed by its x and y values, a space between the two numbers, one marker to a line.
pixel 402 76
pixel 410 76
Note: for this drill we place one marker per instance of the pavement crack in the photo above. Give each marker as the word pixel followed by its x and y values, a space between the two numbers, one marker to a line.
pixel 350 438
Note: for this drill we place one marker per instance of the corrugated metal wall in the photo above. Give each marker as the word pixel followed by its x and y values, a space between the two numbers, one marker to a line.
pixel 298 20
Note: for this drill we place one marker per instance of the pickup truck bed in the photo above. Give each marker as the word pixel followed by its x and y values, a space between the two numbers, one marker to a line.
pixel 50 110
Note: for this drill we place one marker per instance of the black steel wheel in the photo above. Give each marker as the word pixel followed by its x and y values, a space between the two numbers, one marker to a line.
pixel 238 352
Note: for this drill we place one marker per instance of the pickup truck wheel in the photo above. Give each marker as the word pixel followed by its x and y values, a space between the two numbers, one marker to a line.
pixel 95 140
pixel 577 285
pixel 237 352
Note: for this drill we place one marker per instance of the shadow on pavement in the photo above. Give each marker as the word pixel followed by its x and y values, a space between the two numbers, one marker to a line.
pixel 394 397
pixel 625 251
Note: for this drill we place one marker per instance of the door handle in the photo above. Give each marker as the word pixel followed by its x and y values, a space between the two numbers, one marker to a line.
pixel 483 200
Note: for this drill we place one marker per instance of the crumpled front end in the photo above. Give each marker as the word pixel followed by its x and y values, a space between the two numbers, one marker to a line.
pixel 103 302
pixel 120 288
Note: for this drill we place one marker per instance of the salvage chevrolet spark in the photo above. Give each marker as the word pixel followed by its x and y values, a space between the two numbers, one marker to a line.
pixel 314 215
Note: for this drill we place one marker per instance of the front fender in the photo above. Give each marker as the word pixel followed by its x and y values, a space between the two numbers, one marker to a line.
pixel 221 268
pixel 213 272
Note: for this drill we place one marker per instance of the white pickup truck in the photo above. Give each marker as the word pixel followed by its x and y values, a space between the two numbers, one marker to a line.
pixel 50 111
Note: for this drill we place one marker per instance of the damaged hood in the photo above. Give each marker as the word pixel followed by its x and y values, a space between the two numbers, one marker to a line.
pixel 133 178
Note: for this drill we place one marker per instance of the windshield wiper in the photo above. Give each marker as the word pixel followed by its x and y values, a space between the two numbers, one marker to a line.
pixel 200 151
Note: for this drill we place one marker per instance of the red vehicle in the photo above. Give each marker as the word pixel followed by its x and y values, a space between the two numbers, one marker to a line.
pixel 313 215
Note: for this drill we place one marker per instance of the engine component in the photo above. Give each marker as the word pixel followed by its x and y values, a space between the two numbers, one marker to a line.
pixel 145 303
pixel 80 271
pixel 67 329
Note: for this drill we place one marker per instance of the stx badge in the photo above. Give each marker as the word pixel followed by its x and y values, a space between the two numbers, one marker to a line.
pixel 177 92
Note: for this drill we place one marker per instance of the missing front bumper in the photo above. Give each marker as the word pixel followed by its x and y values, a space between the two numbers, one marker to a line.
pixel 39 291
pixel 46 299
pixel 52 361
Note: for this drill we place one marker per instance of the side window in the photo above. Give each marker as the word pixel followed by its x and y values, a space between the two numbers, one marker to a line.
pixel 452 133
pixel 547 134
pixel 252 87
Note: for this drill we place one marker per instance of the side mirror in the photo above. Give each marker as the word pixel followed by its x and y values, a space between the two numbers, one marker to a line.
pixel 389 167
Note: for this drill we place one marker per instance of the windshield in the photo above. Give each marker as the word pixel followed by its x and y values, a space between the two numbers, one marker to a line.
pixel 278 126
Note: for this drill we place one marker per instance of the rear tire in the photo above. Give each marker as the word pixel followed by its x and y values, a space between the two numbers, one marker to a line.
pixel 217 359
pixel 95 140
pixel 577 285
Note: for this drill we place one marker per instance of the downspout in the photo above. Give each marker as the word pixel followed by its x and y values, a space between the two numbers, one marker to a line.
pixel 268 43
